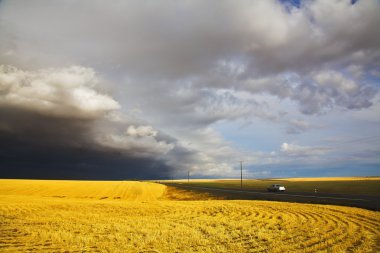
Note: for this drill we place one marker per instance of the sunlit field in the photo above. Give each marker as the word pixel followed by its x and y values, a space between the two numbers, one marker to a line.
pixel 85 216
pixel 342 185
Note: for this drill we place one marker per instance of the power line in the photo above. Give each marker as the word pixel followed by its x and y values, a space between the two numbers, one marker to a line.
pixel 241 174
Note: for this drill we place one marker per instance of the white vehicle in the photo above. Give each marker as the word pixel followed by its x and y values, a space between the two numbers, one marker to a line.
pixel 276 188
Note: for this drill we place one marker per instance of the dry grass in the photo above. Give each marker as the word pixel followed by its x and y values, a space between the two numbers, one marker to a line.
pixel 144 219
pixel 172 193
pixel 303 179
pixel 191 180
pixel 295 179
pixel 356 186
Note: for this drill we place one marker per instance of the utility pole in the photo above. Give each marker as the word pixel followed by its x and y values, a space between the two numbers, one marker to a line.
pixel 241 174
pixel 188 176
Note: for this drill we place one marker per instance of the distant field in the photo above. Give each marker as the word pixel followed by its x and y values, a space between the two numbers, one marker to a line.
pixel 125 190
pixel 358 186
pixel 85 216
pixel 286 179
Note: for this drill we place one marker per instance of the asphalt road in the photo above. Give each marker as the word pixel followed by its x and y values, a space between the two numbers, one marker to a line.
pixel 362 201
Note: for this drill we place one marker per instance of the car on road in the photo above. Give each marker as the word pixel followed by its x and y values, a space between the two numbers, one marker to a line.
pixel 276 188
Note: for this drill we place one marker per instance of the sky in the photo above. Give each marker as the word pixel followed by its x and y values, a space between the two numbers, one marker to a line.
pixel 158 89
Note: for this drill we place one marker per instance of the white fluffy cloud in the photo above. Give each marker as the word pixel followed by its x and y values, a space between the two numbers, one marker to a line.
pixel 297 150
pixel 141 131
pixel 70 92
pixel 144 147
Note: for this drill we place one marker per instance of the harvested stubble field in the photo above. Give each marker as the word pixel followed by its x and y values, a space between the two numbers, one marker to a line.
pixel 79 216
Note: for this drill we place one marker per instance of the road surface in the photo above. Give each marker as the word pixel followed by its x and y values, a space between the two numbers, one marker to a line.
pixel 362 201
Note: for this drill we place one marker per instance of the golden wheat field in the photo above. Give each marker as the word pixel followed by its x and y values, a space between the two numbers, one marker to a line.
pixel 85 216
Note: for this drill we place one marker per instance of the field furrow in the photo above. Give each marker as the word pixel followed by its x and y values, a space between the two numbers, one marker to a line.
pixel 136 217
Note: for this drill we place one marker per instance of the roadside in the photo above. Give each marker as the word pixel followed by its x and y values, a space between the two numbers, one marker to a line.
pixel 358 186
pixel 362 201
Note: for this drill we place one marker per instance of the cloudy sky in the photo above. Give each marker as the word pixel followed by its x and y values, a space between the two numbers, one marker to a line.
pixel 153 89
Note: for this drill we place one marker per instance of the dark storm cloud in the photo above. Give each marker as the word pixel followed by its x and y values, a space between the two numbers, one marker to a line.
pixel 55 123
pixel 33 145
